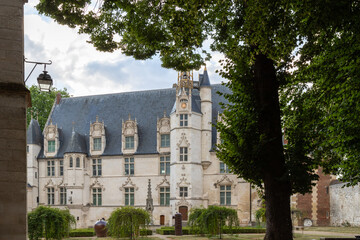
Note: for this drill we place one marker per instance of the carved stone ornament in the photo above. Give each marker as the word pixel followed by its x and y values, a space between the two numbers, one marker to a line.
pixel 205 164
pixel 183 202
pixel 163 183
pixel 183 141
pixel 164 125
pixel 183 181
pixel 129 127
pixel 50 183
pixel 128 183
pixel 97 128
pixel 62 184
pixel 97 184
pixel 225 180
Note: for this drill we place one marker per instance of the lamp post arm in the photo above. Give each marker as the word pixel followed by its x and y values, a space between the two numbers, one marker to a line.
pixel 36 63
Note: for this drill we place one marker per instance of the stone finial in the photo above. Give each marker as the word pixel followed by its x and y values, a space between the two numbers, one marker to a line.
pixel 97 118
pixel 164 113
pixel 73 128
pixel 149 200
pixel 129 116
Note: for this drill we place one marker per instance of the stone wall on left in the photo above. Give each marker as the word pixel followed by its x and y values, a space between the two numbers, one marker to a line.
pixel 14 99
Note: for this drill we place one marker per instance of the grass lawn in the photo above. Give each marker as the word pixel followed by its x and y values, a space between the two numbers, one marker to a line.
pixel 334 229
pixel 109 238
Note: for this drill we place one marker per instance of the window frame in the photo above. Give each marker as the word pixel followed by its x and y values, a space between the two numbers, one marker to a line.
pixel 129 194
pixel 183 192
pixel 225 190
pixel 183 151
pixel 224 168
pixel 164 196
pixel 77 162
pixel 50 168
pixel 165 165
pixel 62 196
pixel 96 167
pixel 129 166
pixel 97 144
pixel 184 119
pixel 61 168
pixel 165 140
pixel 129 142
pixel 96 196
pixel 51 195
pixel 51 146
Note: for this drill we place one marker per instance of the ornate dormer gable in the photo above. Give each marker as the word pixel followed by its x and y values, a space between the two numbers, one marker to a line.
pixel 219 119
pixel 49 184
pixel 97 184
pixel 130 137
pixel 164 183
pixel 51 140
pixel 184 89
pixel 225 180
pixel 97 137
pixel 128 183
pixel 163 134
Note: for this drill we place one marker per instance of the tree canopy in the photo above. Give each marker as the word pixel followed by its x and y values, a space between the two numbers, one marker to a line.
pixel 51 223
pixel 42 103
pixel 292 64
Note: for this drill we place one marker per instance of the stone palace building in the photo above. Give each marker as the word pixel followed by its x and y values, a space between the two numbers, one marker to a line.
pixel 151 149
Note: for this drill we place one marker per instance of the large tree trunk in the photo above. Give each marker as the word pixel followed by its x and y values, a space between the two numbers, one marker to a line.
pixel 277 185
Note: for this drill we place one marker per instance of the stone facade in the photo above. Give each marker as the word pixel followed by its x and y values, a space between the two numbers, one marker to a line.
pixel 344 202
pixel 100 152
pixel 14 98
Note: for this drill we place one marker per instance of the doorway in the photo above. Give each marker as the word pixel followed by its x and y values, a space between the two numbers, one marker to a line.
pixel 162 219
pixel 184 212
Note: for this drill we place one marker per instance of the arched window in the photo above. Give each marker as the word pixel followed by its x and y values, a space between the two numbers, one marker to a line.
pixel 77 162
pixel 71 162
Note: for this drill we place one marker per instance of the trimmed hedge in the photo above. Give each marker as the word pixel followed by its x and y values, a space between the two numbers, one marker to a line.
pixel 145 232
pixel 89 232
pixel 226 230
pixel 82 232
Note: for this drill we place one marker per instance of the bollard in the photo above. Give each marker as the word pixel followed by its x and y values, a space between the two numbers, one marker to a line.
pixel 178 224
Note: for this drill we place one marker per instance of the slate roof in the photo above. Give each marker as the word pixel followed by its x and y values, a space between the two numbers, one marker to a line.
pixel 204 79
pixel 76 144
pixel 145 106
pixel 33 134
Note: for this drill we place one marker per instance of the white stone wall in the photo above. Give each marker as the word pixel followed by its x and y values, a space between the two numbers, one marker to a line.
pixel 344 205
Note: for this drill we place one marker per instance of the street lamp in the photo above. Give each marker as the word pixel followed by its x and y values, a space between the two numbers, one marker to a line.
pixel 44 80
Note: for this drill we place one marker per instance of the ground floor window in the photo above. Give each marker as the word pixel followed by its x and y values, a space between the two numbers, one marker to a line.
pixel 51 196
pixel 164 196
pixel 183 191
pixel 62 196
pixel 97 196
pixel 225 195
pixel 129 196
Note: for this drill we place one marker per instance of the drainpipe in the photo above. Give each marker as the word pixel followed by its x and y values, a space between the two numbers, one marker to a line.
pixel 250 206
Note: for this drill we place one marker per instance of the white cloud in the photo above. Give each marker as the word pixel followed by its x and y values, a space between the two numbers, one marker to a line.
pixel 83 70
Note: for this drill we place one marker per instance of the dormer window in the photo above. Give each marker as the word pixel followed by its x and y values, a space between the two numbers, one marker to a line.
pixel 165 140
pixel 163 134
pixel 97 137
pixel 97 144
pixel 51 140
pixel 129 142
pixel 51 146
pixel 183 120
pixel 130 136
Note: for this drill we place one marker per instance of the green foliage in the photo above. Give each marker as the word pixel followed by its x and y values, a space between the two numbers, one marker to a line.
pixel 42 103
pixel 51 223
pixel 82 232
pixel 225 230
pixel 212 220
pixel 126 222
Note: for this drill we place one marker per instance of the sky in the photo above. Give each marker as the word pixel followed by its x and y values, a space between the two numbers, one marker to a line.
pixel 79 67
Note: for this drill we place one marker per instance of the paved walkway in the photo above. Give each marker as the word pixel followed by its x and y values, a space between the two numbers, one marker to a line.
pixel 320 233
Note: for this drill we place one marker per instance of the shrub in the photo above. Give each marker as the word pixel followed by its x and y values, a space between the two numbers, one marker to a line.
pixel 82 232
pixel 212 220
pixel 126 222
pixel 226 230
pixel 51 223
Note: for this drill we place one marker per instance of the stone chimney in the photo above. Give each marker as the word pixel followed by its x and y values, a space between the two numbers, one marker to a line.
pixel 58 98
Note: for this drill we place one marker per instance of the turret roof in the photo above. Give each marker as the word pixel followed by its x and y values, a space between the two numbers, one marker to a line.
pixel 33 134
